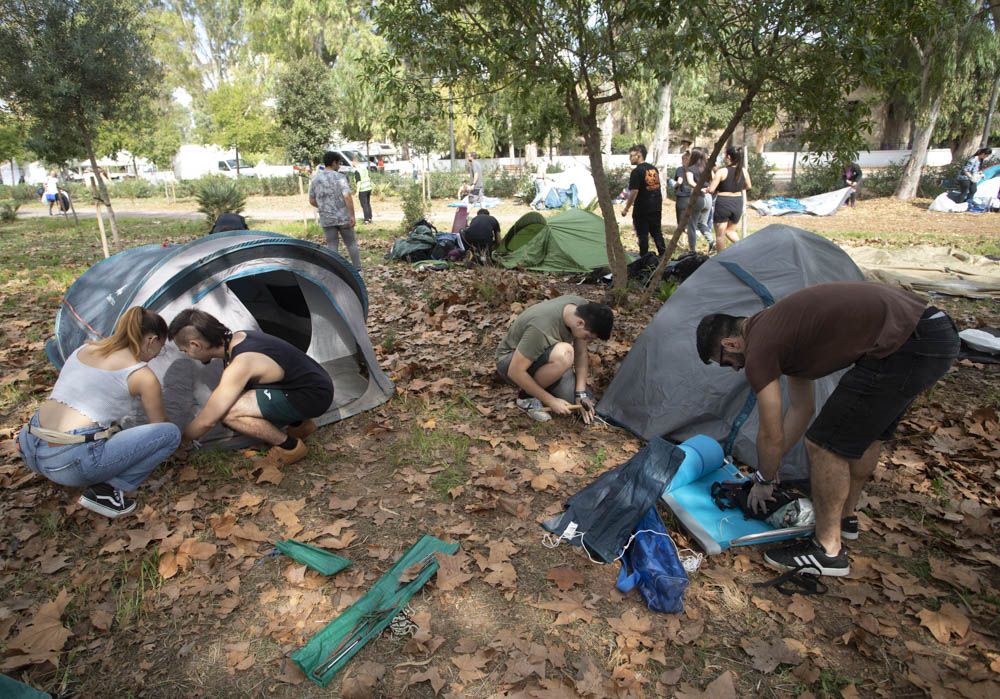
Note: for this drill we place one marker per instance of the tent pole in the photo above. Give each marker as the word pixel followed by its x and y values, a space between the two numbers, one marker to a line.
pixel 100 225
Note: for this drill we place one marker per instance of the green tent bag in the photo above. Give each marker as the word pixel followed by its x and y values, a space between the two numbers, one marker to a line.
pixel 327 652
pixel 320 560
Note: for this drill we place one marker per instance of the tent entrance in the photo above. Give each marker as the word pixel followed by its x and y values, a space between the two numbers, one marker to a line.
pixel 276 301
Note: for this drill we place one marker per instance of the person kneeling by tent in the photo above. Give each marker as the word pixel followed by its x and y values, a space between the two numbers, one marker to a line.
pixel 269 388
pixel 74 439
pixel 898 346
pixel 545 355
pixel 482 235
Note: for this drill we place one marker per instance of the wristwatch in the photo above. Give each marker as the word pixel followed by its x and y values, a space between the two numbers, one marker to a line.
pixel 759 478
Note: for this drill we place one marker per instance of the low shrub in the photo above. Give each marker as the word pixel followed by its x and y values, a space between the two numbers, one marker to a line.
pixel 814 178
pixel 413 206
pixel 21 193
pixel 933 180
pixel 8 211
pixel 510 185
pixel 446 184
pixel 387 184
pixel 133 188
pixel 618 179
pixel 761 175
pixel 219 195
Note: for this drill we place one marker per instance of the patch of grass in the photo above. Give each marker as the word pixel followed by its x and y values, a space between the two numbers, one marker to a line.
pixel 427 447
pixel 831 681
pixel 920 567
pixel 389 340
pixel 213 464
pixel 452 477
pixel 597 461
pixel 131 585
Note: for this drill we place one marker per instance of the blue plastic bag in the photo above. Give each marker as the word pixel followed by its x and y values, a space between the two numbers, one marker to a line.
pixel 655 566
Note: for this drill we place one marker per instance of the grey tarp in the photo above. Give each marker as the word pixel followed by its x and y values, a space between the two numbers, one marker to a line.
pixel 662 389
pixel 250 280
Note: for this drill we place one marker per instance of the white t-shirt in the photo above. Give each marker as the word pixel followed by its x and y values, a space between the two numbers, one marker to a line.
pixel 52 185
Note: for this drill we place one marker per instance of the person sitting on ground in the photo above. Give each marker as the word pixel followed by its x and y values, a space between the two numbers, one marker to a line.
pixel 74 439
pixel 971 174
pixel 269 388
pixel 482 235
pixel 545 355
pixel 898 346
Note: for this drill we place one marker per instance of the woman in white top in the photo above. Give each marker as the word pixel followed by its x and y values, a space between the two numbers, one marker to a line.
pixel 51 190
pixel 74 439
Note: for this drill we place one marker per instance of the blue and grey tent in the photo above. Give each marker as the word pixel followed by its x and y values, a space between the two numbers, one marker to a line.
pixel 250 280
pixel 662 389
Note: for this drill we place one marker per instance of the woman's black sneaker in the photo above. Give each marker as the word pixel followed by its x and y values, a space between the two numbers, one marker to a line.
pixel 810 558
pixel 106 500
pixel 849 528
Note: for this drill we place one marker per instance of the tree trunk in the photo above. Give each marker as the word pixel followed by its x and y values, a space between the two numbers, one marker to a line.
pixel 13 180
pixel 135 168
pixel 661 139
pixel 963 146
pixel 102 188
pixel 928 109
pixel 591 132
pixel 237 149
pixel 988 126
pixel 608 132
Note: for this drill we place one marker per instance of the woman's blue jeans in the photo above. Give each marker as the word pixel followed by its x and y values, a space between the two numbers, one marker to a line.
pixel 123 462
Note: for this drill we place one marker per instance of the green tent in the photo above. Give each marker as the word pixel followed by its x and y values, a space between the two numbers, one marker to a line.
pixel 570 241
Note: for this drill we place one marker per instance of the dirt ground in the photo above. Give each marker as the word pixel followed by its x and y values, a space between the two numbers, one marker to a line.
pixel 182 600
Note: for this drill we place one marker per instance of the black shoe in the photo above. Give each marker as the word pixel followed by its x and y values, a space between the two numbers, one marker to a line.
pixel 849 528
pixel 106 500
pixel 809 558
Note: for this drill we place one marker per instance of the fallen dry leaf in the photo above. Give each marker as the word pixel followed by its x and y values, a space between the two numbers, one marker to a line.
pixel 565 577
pixel 42 640
pixel 768 655
pixel 944 623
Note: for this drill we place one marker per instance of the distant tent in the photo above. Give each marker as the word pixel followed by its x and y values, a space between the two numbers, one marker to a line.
pixel 662 389
pixel 572 241
pixel 250 280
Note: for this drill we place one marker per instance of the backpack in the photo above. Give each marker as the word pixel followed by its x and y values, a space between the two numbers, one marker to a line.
pixel 655 567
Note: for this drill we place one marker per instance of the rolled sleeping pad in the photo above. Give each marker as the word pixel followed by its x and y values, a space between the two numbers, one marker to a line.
pixel 703 456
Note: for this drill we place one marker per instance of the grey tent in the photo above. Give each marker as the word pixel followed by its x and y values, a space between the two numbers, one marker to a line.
pixel 662 389
pixel 250 280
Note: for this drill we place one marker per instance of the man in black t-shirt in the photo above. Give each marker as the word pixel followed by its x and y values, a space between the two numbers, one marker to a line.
pixel 645 199
pixel 483 231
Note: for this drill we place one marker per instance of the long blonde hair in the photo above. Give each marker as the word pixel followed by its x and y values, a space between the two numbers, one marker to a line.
pixel 135 324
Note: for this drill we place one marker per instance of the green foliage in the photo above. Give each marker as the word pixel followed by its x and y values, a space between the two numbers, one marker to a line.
pixel 815 178
pixel 386 184
pixel 234 116
pixel 413 206
pixel 618 179
pixel 13 134
pixel 446 184
pixel 154 130
pixel 304 108
pixel 883 182
pixel 8 210
pixel 219 195
pixel 761 175
pixel 133 188
pixel 509 185
pixel 74 66
pixel 21 193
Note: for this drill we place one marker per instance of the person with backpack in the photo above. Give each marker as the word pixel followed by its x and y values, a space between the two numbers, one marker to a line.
pixel 646 201
pixel 894 347
pixel 544 354
pixel 363 180
pixel 269 390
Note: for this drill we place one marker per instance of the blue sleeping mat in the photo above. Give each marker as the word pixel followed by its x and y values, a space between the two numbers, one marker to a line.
pixel 689 497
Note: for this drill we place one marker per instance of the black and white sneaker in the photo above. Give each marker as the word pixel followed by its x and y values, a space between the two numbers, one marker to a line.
pixel 809 558
pixel 106 500
pixel 849 528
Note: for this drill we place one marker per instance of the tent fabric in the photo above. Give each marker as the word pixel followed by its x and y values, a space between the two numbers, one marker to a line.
pixel 935 269
pixel 569 242
pixel 250 280
pixel 825 204
pixel 662 389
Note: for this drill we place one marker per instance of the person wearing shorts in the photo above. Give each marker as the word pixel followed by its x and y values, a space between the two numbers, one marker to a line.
pixel 895 346
pixel 269 390
pixel 544 354
pixel 728 186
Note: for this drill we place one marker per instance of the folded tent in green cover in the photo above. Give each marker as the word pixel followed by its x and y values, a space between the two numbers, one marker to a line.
pixel 322 561
pixel 327 652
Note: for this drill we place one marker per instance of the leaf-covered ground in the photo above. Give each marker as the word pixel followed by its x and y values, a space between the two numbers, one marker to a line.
pixel 181 600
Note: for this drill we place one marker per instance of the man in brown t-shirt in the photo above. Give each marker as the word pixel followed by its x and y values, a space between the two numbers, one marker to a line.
pixel 898 346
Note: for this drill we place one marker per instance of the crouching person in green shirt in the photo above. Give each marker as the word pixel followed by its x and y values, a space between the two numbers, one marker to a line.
pixel 545 355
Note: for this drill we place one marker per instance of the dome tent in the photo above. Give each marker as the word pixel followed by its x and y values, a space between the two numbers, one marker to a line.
pixel 663 389
pixel 250 280
pixel 571 241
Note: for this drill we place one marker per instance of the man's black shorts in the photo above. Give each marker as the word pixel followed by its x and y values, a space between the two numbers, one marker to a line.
pixel 873 395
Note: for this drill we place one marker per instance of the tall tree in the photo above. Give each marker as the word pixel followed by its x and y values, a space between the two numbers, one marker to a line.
pixel 938 32
pixel 359 103
pixel 13 138
pixel 153 130
pixel 294 29
pixel 304 106
pixel 235 117
pixel 73 66
pixel 206 40
pixel 589 53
